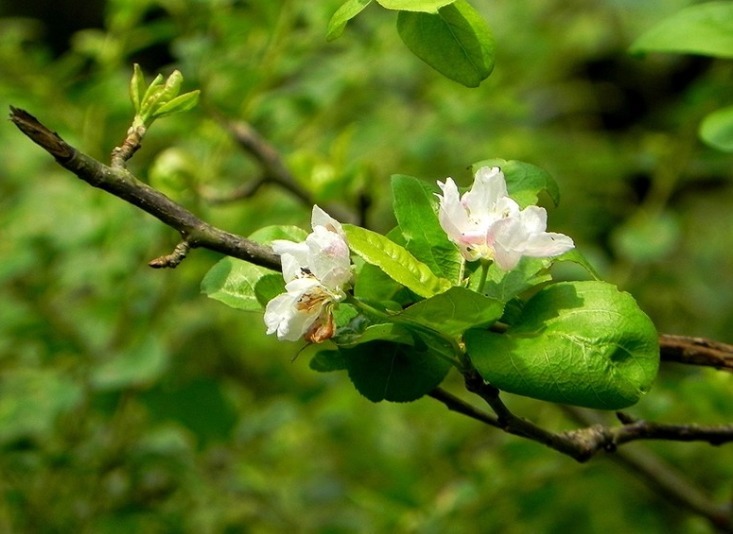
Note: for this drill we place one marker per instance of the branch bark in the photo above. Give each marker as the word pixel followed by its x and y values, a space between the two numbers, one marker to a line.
pixel 121 183
pixel 696 351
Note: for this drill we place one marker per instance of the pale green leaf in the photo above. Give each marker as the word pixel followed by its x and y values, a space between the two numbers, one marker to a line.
pixel 705 29
pixel 717 129
pixel 395 261
pixel 232 282
pixel 424 6
pixel 343 15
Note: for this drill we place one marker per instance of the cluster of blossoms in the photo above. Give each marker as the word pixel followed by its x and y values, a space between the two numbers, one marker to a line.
pixel 317 273
pixel 486 224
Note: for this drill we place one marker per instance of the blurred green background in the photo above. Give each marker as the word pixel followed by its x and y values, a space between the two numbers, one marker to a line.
pixel 129 402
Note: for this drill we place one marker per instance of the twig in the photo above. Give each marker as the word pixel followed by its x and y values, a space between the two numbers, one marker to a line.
pixel 273 166
pixel 457 405
pixel 173 259
pixel 662 478
pixel 242 192
pixel 121 183
pixel 696 351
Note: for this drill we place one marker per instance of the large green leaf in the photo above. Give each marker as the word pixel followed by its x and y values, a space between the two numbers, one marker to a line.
pixel 717 129
pixel 395 260
pixel 456 41
pixel 705 29
pixel 243 285
pixel 581 343
pixel 415 206
pixel 381 370
pixel 233 282
pixel 524 181
pixel 453 312
pixel 343 15
pixel 425 6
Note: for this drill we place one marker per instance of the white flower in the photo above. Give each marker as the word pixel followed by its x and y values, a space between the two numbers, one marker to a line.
pixel 317 272
pixel 486 223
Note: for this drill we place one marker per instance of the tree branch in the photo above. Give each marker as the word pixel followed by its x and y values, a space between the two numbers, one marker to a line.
pixel 273 167
pixel 662 477
pixel 121 183
pixel 696 351
pixel 581 444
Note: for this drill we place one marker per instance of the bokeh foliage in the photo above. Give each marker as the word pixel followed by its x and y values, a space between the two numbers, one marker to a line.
pixel 130 402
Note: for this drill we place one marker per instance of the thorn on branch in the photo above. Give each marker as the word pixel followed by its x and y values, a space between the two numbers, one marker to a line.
pixel 171 260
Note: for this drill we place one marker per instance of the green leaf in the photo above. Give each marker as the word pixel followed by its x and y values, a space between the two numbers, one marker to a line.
pixel 705 29
pixel 181 103
pixel 394 260
pixel 381 370
pixel 268 287
pixel 233 282
pixel 425 6
pixel 505 285
pixel 580 343
pixel 717 129
pixel 415 206
pixel 343 15
pixel 327 361
pixel 453 312
pixel 456 41
pixel 524 181
pixel 575 256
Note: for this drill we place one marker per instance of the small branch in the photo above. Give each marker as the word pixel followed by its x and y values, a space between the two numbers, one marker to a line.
pixel 131 144
pixel 247 190
pixel 457 405
pixel 273 166
pixel 507 421
pixel 696 351
pixel 662 478
pixel 121 183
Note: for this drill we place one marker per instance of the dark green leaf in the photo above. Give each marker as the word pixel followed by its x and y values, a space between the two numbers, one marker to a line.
pixel 415 206
pixel 390 371
pixel 456 41
pixel 327 361
pixel 268 287
pixel 580 343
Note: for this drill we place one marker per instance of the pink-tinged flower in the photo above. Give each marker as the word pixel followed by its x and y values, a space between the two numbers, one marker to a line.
pixel 485 223
pixel 317 273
